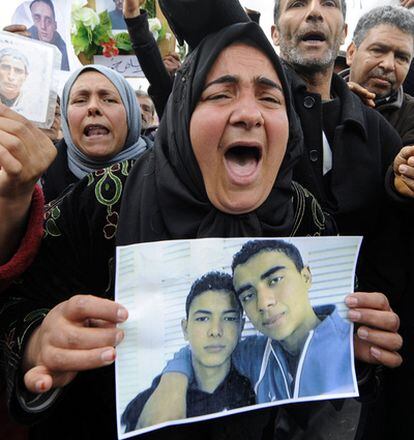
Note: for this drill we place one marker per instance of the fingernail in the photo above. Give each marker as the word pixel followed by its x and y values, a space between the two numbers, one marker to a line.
pixel 40 386
pixel 108 356
pixel 362 333
pixel 351 301
pixel 119 337
pixel 375 352
pixel 354 315
pixel 122 314
pixel 402 169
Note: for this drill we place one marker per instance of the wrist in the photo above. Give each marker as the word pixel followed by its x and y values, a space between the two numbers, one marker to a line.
pixel 29 359
pixel 131 12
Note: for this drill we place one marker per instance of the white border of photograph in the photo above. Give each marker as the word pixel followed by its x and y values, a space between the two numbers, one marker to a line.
pixel 38 93
pixel 167 269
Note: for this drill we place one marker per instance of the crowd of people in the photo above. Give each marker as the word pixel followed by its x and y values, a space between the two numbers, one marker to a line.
pixel 249 144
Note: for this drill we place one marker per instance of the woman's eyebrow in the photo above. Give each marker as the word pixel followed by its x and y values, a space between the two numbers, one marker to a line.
pixel 225 79
pixel 231 79
pixel 263 81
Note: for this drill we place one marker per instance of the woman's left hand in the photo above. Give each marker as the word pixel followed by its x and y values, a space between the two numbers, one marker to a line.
pixel 377 340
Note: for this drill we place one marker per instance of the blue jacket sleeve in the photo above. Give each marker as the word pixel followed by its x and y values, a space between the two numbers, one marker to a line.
pixel 181 363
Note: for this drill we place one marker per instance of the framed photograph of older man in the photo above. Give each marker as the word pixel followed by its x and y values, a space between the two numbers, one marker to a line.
pixel 48 21
pixel 114 8
pixel 28 84
pixel 249 322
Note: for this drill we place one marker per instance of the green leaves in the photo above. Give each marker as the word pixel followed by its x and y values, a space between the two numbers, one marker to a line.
pixel 150 8
pixel 123 42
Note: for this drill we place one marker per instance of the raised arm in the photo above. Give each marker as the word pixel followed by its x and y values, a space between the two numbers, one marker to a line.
pixel 47 330
pixel 148 54
pixel 25 154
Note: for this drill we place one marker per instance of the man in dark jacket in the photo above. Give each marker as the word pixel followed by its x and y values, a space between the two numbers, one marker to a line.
pixel 379 58
pixel 349 148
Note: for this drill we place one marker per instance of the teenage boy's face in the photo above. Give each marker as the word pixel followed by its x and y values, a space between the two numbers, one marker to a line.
pixel 274 294
pixel 213 327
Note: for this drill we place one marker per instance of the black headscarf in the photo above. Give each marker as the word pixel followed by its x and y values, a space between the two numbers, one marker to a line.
pixel 165 196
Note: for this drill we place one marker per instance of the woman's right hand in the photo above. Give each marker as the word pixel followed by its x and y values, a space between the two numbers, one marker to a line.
pixel 131 8
pixel 25 154
pixel 78 334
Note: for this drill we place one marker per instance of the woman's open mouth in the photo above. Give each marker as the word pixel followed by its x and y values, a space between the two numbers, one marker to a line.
pixel 242 162
pixel 93 130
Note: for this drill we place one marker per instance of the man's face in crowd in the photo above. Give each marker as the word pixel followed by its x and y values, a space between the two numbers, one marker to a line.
pixel 119 4
pixel 12 76
pixel 213 327
pixel 147 111
pixel 274 294
pixel 381 62
pixel 44 21
pixel 309 32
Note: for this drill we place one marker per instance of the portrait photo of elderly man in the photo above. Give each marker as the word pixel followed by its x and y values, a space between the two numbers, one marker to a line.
pixel 45 27
pixel 212 327
pixel 14 69
pixel 116 15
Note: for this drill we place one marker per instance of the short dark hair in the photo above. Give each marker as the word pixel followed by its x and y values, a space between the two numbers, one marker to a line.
pixel 397 16
pixel 47 2
pixel 253 247
pixel 276 10
pixel 212 281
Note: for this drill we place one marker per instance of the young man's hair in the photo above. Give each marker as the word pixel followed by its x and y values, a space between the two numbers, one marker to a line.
pixel 16 55
pixel 212 281
pixel 396 16
pixel 46 2
pixel 276 10
pixel 253 247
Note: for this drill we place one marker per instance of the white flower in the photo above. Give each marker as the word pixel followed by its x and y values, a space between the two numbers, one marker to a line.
pixel 154 24
pixel 77 4
pixel 87 16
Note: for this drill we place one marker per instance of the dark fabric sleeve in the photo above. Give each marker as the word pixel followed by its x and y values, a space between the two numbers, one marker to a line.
pixel 29 244
pixel 150 60
pixel 75 257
